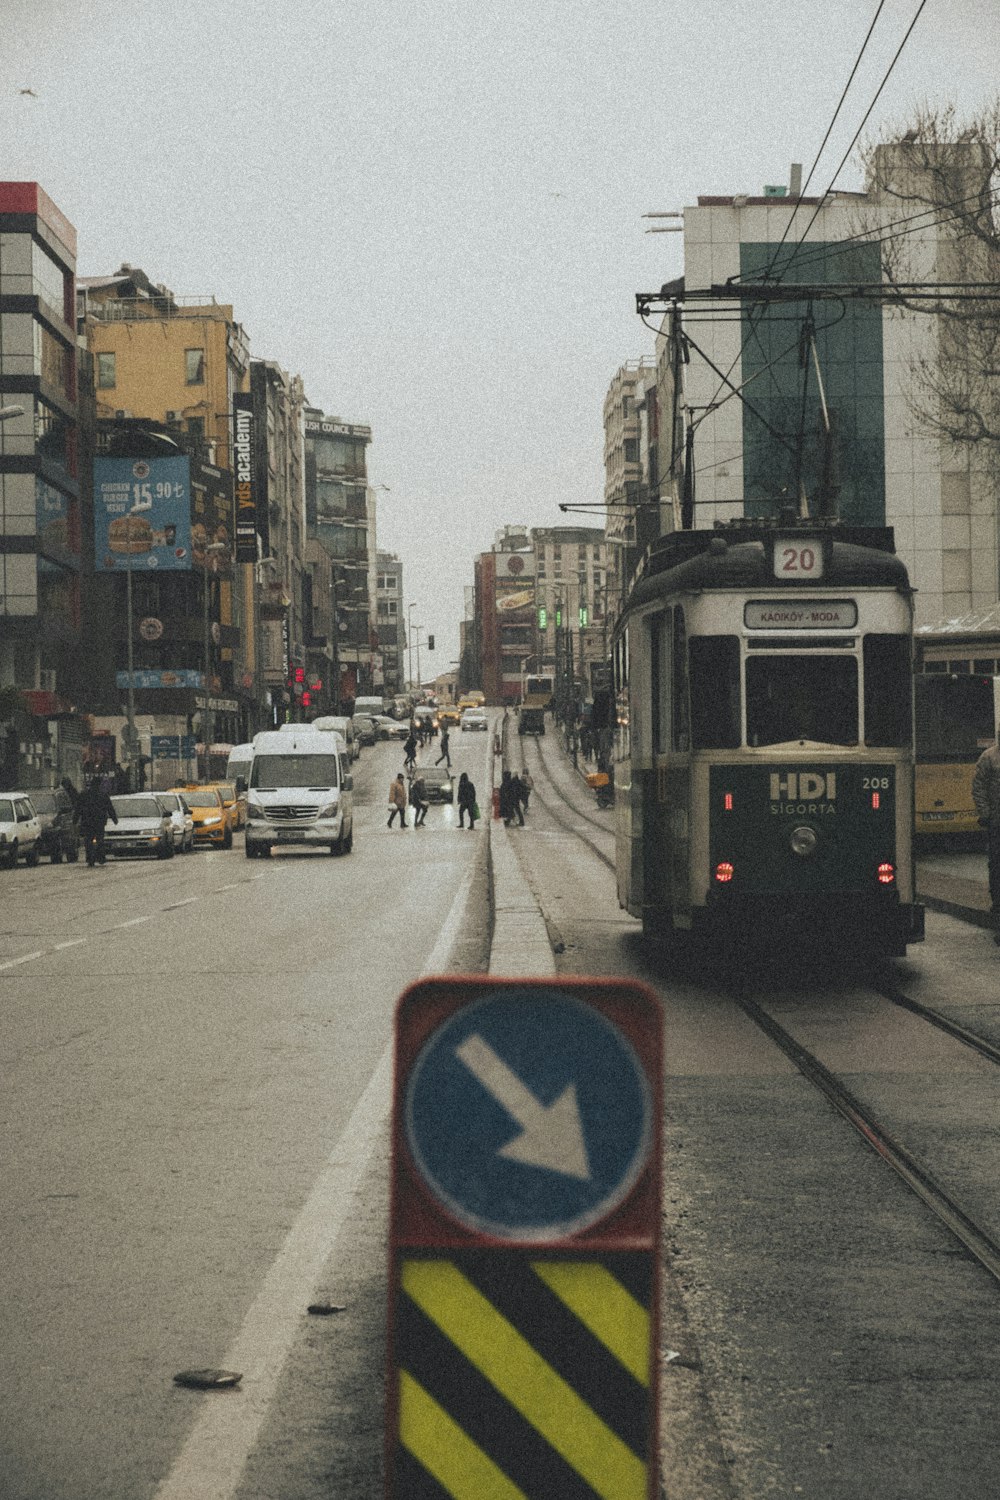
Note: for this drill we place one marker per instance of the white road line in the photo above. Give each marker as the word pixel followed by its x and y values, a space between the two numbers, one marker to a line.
pixel 70 943
pixel 211 1463
pixel 188 901
pixel 133 922
pixel 25 958
pixel 231 887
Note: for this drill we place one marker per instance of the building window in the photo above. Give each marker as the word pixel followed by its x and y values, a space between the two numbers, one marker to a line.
pixel 631 451
pixel 196 427
pixel 106 379
pixel 194 366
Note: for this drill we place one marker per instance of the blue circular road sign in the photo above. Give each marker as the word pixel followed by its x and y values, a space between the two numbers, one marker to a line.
pixel 528 1115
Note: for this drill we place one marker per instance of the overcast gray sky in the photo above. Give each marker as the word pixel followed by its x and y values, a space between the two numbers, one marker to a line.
pixel 432 211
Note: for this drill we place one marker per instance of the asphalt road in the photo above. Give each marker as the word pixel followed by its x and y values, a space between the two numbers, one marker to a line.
pixel 195 1071
pixel 194 1077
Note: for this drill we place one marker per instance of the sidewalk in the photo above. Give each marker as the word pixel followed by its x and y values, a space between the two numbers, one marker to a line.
pixel 956 884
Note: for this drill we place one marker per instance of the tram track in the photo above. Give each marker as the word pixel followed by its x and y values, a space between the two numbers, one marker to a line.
pixel 978 1242
pixel 555 814
pixel 983 1246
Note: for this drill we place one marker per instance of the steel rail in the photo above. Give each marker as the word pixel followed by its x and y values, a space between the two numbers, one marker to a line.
pixel 935 1018
pixel 981 1245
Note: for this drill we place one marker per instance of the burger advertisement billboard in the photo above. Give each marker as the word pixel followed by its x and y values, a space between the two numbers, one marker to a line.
pixel 142 514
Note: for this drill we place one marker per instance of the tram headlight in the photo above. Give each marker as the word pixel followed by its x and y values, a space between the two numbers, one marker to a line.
pixel 803 840
pixel 886 873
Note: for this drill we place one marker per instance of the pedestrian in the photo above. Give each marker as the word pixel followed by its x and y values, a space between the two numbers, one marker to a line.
pixel 94 808
pixel 410 751
pixel 418 800
pixel 466 801
pixel 444 756
pixel 71 792
pixel 527 787
pixel 519 798
pixel 397 801
pixel 986 796
pixel 507 798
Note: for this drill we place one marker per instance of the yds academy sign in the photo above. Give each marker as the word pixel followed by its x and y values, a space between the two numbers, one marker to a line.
pixel 243 475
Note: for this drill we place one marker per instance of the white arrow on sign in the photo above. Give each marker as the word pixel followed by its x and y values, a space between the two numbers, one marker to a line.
pixel 551 1134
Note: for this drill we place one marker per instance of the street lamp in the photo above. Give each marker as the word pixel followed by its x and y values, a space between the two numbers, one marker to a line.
pixel 212 549
pixel 409 642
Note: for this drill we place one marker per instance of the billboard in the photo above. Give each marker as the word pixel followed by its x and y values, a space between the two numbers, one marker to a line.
pixel 142 514
pixel 244 478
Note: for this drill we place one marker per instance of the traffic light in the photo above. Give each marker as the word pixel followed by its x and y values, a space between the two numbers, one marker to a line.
pixel 543 617
pixel 430 643
pixel 583 614
pixel 559 617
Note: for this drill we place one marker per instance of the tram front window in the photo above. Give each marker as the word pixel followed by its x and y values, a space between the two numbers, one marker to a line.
pixel 802 698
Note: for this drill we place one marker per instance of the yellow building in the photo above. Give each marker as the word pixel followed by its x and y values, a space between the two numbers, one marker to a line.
pixel 179 362
pixel 171 359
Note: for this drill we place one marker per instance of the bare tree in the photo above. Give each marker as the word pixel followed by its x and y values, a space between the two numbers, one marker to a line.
pixel 937 185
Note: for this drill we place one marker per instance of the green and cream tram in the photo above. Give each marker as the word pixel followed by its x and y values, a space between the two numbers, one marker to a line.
pixel 764 748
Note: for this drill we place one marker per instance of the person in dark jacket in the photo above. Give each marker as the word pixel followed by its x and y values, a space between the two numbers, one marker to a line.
pixel 445 755
pixel 410 751
pixel 520 799
pixel 986 796
pixel 508 798
pixel 418 800
pixel 466 801
pixel 94 808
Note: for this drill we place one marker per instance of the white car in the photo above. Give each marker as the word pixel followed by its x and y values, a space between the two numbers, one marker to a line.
pixel 143 827
pixel 20 830
pixel 181 820
pixel 474 718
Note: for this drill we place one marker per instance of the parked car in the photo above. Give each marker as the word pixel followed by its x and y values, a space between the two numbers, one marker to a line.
pixel 391 729
pixel 365 729
pixel 474 718
pixel 181 821
pixel 233 801
pixel 143 826
pixel 211 821
pixel 439 783
pixel 20 830
pixel 60 834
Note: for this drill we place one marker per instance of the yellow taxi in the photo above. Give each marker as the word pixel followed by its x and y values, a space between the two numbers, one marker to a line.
pixel 234 802
pixel 208 812
pixel 448 717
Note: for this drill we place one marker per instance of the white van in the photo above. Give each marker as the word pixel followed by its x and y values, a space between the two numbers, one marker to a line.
pixel 300 791
pixel 373 706
pixel 342 726
pixel 238 766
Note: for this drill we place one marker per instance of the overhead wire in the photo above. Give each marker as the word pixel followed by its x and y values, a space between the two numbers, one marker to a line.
pixel 885 79
pixel 752 315
pixel 829 131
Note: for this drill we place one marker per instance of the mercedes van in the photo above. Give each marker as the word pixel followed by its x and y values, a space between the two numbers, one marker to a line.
pixel 300 791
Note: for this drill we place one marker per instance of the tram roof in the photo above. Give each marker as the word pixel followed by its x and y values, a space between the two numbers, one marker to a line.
pixel 738 558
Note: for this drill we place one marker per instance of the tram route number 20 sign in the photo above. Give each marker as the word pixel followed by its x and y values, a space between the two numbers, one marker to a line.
pixel 524 1240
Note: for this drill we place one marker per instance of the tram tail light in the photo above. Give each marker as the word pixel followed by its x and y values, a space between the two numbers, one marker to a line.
pixel 723 872
pixel 728 801
pixel 875 801
pixel 886 873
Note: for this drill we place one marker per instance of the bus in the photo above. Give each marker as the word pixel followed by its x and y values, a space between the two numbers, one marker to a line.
pixel 957 711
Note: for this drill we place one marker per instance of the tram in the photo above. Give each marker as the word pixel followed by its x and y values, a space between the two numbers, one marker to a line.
pixel 764 743
pixel 957 703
